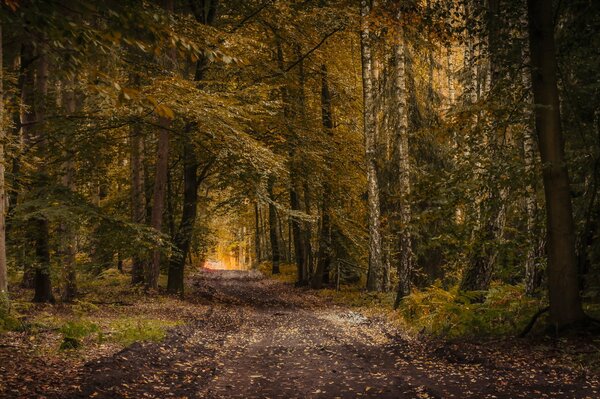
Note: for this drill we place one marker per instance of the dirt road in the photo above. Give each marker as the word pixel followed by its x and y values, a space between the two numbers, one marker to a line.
pixel 263 339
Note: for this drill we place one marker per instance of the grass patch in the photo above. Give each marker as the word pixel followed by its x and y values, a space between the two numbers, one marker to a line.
pixel 75 331
pixel 130 330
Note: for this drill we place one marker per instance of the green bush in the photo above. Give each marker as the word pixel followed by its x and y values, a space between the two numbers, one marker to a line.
pixel 505 309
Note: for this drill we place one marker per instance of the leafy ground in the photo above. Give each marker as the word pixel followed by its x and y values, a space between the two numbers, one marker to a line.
pixel 240 335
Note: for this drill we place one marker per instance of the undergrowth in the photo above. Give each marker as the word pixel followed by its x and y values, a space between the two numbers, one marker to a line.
pixel 505 309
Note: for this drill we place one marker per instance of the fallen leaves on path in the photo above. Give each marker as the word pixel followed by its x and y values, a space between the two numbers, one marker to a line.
pixel 250 337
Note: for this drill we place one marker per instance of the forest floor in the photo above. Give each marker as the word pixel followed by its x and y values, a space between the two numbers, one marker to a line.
pixel 246 336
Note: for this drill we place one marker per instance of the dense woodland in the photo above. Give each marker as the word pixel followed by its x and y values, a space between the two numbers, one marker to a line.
pixel 442 151
pixel 439 160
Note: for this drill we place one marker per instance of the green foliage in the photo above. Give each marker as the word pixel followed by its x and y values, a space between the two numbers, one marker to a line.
pixel 130 330
pixel 8 319
pixel 74 331
pixel 504 310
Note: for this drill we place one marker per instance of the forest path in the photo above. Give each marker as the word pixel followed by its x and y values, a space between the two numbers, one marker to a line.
pixel 260 338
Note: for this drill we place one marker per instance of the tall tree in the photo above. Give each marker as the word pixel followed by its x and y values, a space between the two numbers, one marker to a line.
pixel 402 163
pixel 43 287
pixel 273 227
pixel 206 15
pixel 68 248
pixel 535 242
pixel 138 203
pixel 325 246
pixel 3 269
pixel 160 178
pixel 374 277
pixel 563 287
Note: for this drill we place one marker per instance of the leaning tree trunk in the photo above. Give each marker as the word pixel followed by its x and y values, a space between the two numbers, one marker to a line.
pixel 563 287
pixel 374 277
pixel 402 161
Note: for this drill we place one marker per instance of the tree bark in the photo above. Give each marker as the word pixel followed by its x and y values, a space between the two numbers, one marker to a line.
pixel 273 230
pixel 535 247
pixel 191 181
pixel 3 269
pixel 69 274
pixel 402 160
pixel 183 237
pixel 42 283
pixel 138 199
pixel 324 255
pixel 158 203
pixel 257 245
pixel 288 116
pixel 160 181
pixel 563 288
pixel 374 278
pixel 27 122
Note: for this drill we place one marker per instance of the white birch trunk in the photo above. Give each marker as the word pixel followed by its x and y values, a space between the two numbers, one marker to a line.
pixel 403 160
pixel 374 277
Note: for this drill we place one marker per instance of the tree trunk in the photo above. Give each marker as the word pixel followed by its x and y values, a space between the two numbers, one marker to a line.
pixel 138 199
pixel 489 230
pixel 402 161
pixel 374 280
pixel 191 180
pixel 3 269
pixel 535 247
pixel 257 248
pixel 308 236
pixel 158 204
pixel 288 116
pixel 69 274
pixel 27 122
pixel 160 181
pixel 273 233
pixel 42 283
pixel 183 237
pixel 325 247
pixel 299 247
pixel 565 301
